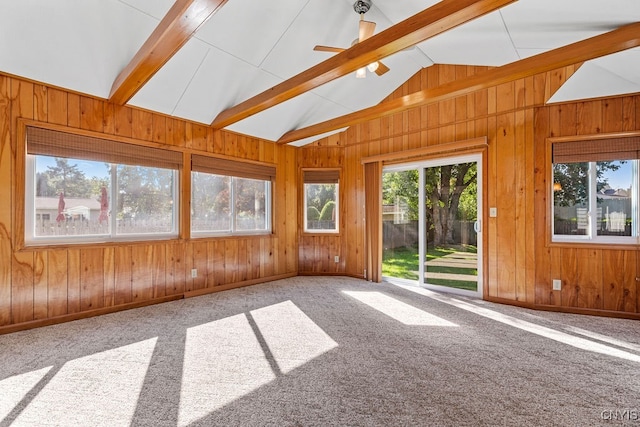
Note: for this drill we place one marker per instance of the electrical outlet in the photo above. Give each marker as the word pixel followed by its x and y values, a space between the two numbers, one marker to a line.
pixel 336 258
pixel 194 273
pixel 557 284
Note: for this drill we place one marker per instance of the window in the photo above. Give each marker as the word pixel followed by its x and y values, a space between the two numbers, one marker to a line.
pixel 321 201
pixel 595 190
pixel 83 189
pixel 230 197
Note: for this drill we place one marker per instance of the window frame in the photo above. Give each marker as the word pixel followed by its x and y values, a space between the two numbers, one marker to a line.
pixel 591 237
pixel 235 169
pixel 25 202
pixel 318 173
pixel 233 230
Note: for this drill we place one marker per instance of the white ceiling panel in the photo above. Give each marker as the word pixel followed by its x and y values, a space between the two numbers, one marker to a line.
pixel 163 92
pixel 356 94
pixel 249 29
pixel 611 75
pixel 322 22
pixel 548 24
pixel 623 64
pixel 248 47
pixel 77 44
pixel 156 8
pixel 484 41
pixel 399 10
pixel 301 111
pixel 220 82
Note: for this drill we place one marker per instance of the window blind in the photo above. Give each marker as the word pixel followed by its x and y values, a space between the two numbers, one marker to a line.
pixel 228 167
pixel 321 176
pixel 597 150
pixel 54 143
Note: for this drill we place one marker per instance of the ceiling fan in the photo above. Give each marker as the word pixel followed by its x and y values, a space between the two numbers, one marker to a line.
pixel 365 30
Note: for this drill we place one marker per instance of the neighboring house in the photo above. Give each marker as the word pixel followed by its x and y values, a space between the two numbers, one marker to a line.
pixel 398 212
pixel 74 209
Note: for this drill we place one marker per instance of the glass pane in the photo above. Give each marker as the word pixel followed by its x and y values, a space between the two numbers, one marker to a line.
pixel 71 197
pixel 250 208
pixel 570 199
pixel 145 200
pixel 400 199
pixel 451 198
pixel 614 198
pixel 210 203
pixel 320 201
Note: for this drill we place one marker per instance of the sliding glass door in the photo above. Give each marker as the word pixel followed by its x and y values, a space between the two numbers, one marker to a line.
pixel 432 230
pixel 452 226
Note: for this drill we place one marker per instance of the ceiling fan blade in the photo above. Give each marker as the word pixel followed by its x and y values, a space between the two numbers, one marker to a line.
pixel 321 48
pixel 381 69
pixel 366 30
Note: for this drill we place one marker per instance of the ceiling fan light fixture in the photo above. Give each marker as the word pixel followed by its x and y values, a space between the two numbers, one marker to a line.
pixel 373 66
pixel 361 73
pixel 362 6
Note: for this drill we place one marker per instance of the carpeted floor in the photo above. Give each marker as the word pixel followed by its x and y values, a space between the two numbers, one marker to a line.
pixel 324 351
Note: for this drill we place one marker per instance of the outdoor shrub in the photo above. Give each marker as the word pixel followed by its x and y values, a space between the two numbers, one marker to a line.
pixel 313 214
pixel 327 211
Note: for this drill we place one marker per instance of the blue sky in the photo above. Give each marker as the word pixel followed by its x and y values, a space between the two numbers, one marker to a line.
pixel 622 177
pixel 91 169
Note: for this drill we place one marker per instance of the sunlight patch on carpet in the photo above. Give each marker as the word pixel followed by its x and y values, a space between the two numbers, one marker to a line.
pixel 15 388
pixel 223 361
pixel 99 389
pixel 398 310
pixel 292 338
pixel 543 331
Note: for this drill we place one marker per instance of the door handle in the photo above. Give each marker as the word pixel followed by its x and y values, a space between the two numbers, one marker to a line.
pixel 476 226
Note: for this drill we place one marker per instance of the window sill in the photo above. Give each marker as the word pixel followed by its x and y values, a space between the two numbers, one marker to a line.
pixel 588 244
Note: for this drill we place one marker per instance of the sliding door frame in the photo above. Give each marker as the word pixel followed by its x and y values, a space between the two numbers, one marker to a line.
pixel 476 149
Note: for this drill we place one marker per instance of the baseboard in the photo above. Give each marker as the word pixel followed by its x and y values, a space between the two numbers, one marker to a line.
pixel 507 301
pixel 205 291
pixel 588 311
pixel 7 329
pixel 316 273
pixel 564 309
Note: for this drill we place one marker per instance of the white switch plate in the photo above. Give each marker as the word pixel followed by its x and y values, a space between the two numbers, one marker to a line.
pixel 194 273
pixel 493 212
pixel 557 284
pixel 336 258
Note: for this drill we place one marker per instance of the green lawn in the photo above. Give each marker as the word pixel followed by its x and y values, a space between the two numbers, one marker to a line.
pixel 401 262
pixel 404 262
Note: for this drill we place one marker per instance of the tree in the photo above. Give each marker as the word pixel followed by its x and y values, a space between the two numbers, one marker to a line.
pixel 444 186
pixel 63 178
pixel 571 181
pixel 144 192
pixel 401 186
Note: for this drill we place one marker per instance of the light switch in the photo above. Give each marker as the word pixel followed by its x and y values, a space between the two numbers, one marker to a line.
pixel 493 212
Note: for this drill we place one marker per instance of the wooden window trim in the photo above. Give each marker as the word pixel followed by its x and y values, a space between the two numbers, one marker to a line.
pixel 549 243
pixel 19 243
pixel 320 176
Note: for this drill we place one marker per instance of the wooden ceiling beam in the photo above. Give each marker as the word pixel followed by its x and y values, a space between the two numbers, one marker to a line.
pixel 435 20
pixel 623 38
pixel 176 28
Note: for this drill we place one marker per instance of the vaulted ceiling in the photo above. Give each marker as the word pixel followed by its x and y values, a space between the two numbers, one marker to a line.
pixel 245 48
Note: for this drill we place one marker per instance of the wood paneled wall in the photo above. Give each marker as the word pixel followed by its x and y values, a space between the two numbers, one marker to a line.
pixel 42 285
pixel 516 122
pixel 316 251
pixel 597 277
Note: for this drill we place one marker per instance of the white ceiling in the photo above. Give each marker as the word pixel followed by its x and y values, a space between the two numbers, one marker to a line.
pixel 249 46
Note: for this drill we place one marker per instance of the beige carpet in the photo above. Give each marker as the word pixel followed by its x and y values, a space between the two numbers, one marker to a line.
pixel 313 351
